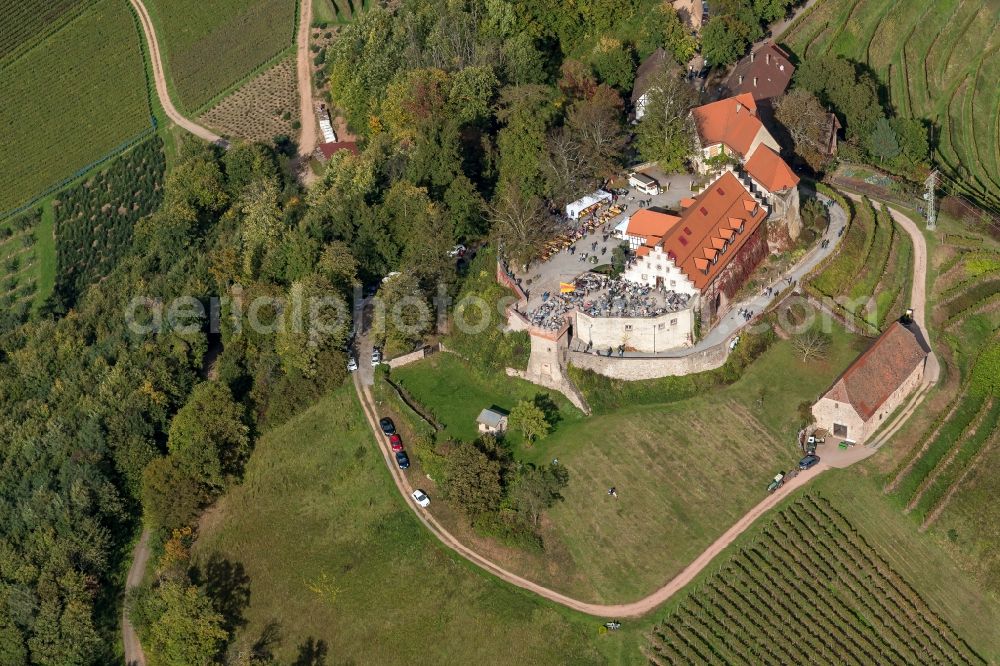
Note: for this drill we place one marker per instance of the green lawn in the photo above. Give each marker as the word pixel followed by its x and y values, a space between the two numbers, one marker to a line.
pixel 211 46
pixel 71 99
pixel 685 470
pixel 455 393
pixel 333 555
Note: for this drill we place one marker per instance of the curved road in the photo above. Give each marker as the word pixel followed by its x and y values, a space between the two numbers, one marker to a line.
pixel 633 609
pixel 676 584
pixel 161 81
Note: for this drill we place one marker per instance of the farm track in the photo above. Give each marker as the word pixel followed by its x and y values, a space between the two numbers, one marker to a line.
pixel 303 65
pixel 161 82
pixel 632 609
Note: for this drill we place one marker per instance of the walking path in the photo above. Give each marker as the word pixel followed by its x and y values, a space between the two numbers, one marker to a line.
pixel 633 609
pixel 834 458
pixel 161 81
pixel 303 66
pixel 134 656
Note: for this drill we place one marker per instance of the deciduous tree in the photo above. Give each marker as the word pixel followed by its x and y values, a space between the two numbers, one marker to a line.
pixel 666 133
pixel 529 420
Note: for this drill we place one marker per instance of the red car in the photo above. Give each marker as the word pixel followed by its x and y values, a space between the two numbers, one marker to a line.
pixel 396 442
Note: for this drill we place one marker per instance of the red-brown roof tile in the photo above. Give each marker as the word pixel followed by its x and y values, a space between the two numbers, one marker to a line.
pixel 767 168
pixel 720 207
pixel 879 371
pixel 732 121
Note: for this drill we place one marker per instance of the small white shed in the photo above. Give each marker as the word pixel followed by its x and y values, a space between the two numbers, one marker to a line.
pixel 492 421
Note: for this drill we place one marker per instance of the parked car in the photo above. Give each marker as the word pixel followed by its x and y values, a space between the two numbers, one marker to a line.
pixel 352 364
pixel 376 357
pixel 808 461
pixel 421 498
pixel 388 427
pixel 396 442
pixel 402 460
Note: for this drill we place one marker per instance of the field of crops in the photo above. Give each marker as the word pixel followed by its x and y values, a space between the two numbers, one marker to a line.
pixel 211 46
pixel 939 60
pixel 18 279
pixel 94 219
pixel 263 108
pixel 71 99
pixel 808 589
pixel 967 295
pixel 23 22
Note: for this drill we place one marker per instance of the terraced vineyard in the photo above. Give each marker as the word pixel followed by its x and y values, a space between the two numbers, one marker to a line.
pixel 809 589
pixel 939 60
pixel 943 461
pixel 74 97
pixel 874 258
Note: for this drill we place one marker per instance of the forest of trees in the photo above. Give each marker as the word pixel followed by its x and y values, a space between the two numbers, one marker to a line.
pixel 100 426
pixel 475 118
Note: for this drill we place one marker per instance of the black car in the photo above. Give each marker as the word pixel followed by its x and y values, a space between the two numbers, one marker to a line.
pixel 402 460
pixel 808 461
pixel 388 427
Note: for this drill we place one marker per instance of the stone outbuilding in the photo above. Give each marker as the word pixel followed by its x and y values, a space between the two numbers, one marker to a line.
pixel 492 421
pixel 874 385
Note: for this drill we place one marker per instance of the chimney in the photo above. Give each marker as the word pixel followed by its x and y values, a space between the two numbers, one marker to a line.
pixel 739 107
pixel 751 56
pixel 755 82
pixel 767 59
pixel 741 79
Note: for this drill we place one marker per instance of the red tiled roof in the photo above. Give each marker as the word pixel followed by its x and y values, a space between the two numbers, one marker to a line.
pixel 768 169
pixel 647 222
pixel 879 371
pixel 720 208
pixel 331 147
pixel 732 121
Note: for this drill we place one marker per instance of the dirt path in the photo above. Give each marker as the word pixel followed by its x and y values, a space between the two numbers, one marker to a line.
pixel 161 81
pixel 303 65
pixel 633 609
pixel 134 655
pixel 918 288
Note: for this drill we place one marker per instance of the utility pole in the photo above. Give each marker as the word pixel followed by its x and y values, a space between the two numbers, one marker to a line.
pixel 929 198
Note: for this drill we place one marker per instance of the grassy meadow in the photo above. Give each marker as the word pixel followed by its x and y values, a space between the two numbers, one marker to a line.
pixel 211 46
pixel 938 60
pixel 335 562
pixel 685 470
pixel 71 99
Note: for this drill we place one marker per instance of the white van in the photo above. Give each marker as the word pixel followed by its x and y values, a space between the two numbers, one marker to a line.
pixel 644 183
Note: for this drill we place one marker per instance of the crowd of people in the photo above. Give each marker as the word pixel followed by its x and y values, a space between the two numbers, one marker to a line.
pixel 602 296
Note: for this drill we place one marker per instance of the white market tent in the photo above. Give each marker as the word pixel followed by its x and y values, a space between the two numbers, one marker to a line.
pixel 581 206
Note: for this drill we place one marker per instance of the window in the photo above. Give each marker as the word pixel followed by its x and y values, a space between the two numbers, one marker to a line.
pixel 839 430
pixel 661 326
pixel 628 327
pixel 644 277
pixel 673 322
pixel 673 283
